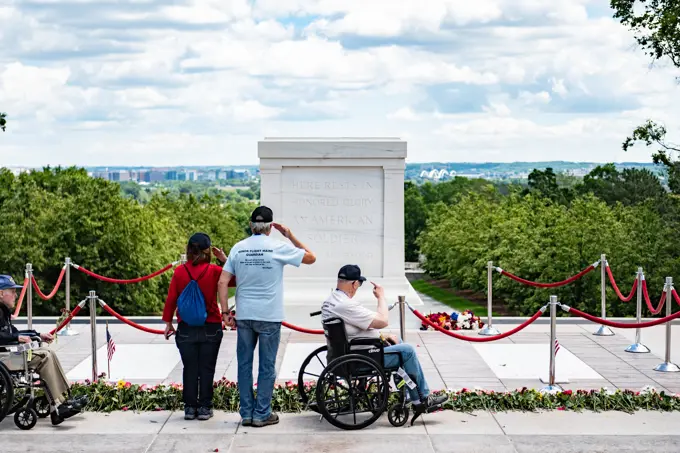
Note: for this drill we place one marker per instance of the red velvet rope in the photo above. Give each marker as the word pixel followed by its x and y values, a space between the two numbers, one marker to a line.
pixel 549 285
pixel 657 310
pixel 54 291
pixel 623 325
pixel 21 298
pixel 124 282
pixel 67 320
pixel 302 329
pixel 675 296
pixel 131 323
pixel 478 339
pixel 616 288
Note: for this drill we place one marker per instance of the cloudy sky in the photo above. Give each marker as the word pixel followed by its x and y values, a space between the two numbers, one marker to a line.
pixel 193 82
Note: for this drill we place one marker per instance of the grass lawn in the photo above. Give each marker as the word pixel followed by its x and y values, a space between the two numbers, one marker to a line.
pixel 445 297
pixel 231 292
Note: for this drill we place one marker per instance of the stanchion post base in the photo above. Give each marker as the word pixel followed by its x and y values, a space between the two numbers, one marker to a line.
pixel 67 332
pixel 603 331
pixel 552 389
pixel 638 348
pixel 667 367
pixel 489 331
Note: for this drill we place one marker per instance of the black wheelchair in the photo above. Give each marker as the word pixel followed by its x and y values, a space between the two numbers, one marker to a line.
pixel 18 384
pixel 353 390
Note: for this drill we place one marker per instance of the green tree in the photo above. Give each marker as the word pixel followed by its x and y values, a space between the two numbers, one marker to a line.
pixel 415 218
pixel 544 183
pixel 650 134
pixel 656 26
pixel 629 187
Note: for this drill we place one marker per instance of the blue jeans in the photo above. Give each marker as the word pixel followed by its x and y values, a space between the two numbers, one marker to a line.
pixel 411 365
pixel 248 333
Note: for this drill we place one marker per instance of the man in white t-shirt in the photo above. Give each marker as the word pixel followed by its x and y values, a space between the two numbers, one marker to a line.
pixel 360 322
pixel 257 263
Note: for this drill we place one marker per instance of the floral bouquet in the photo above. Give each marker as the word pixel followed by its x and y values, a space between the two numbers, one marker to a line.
pixel 465 320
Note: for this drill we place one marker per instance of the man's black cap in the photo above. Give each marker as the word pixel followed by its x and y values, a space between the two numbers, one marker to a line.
pixel 351 272
pixel 201 239
pixel 262 214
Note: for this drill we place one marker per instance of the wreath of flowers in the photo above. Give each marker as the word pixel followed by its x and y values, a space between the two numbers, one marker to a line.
pixel 465 320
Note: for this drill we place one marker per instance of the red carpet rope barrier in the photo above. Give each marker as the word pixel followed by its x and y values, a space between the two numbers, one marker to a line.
pixel 548 285
pixel 124 282
pixel 621 325
pixel 616 288
pixel 70 317
pixel 302 329
pixel 675 296
pixel 130 323
pixel 56 286
pixel 479 339
pixel 662 302
pixel 21 299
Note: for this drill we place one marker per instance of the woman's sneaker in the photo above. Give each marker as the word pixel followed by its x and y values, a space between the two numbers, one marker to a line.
pixel 205 413
pixel 272 420
pixel 189 413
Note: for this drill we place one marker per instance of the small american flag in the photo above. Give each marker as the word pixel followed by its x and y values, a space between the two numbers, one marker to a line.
pixel 557 346
pixel 110 345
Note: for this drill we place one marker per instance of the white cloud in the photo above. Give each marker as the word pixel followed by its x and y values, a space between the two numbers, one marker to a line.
pixel 404 113
pixel 483 80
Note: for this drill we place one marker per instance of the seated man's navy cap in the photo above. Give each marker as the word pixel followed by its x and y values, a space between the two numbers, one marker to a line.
pixel 201 239
pixel 7 282
pixel 351 272
pixel 262 214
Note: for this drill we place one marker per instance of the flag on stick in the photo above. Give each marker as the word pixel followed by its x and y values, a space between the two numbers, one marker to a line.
pixel 557 346
pixel 110 347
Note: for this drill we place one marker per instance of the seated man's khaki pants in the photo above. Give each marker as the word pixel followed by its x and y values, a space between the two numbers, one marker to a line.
pixel 47 365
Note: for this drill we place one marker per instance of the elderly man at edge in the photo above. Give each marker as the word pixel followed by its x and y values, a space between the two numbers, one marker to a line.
pixel 257 264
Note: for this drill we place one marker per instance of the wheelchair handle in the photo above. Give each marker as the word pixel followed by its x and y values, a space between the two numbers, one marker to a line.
pixel 315 313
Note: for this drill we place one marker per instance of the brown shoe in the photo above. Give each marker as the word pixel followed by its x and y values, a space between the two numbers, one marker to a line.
pixel 272 420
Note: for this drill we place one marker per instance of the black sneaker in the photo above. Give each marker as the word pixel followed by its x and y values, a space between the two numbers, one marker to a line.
pixel 189 413
pixel 433 402
pixel 63 412
pixel 205 413
pixel 79 402
pixel 247 422
pixel 272 420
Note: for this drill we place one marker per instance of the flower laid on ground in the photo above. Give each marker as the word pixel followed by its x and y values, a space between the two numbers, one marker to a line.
pixel 465 320
pixel 125 396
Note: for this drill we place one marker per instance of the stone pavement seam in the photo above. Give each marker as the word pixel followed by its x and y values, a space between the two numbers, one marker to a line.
pixel 500 426
pixel 155 436
pixel 429 354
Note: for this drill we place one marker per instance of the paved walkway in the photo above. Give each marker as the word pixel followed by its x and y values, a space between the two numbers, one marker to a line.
pixel 584 361
pixel 442 432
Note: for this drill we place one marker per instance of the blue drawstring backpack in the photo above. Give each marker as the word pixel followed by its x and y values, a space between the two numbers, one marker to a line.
pixel 191 303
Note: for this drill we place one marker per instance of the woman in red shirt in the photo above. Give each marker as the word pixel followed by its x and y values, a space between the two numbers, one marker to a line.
pixel 198 345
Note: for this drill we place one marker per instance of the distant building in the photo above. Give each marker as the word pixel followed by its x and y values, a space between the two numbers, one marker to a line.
pixel 119 176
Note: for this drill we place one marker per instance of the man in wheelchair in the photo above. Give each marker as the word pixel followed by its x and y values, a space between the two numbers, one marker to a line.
pixel 44 361
pixel 361 322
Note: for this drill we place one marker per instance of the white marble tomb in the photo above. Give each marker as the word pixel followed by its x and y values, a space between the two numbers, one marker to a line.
pixel 343 198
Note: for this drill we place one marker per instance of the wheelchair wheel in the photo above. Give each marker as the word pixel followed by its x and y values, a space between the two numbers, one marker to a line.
pixel 6 392
pixel 398 414
pixel 314 361
pixel 352 392
pixel 42 406
pixel 25 418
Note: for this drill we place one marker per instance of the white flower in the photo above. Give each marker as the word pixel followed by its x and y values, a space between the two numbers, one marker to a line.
pixel 647 389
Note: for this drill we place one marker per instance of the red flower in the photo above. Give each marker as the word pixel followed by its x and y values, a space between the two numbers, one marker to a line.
pixel 561 408
pixel 568 392
pixel 124 409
